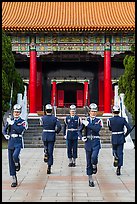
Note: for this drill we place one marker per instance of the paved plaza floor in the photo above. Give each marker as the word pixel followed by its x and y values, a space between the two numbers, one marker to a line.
pixel 69 184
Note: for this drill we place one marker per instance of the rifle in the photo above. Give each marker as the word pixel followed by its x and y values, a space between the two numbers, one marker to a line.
pixel 86 112
pixel 121 106
pixel 86 106
pixel 10 110
pixel 11 94
pixel 132 129
pixel 54 106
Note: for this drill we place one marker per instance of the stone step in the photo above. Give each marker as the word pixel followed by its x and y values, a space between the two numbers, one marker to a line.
pixel 33 136
pixel 38 139
pixel 38 145
pixel 59 137
pixel 103 133
pixel 104 145
pixel 31 139
pixel 66 111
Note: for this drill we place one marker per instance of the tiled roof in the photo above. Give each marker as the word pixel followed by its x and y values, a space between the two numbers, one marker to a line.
pixel 68 16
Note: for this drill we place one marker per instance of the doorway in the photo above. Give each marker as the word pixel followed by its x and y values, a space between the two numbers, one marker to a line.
pixel 70 93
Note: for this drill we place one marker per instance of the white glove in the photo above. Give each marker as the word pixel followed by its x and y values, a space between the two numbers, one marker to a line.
pixel 65 137
pixel 85 122
pixel 6 137
pixel 56 128
pixel 11 122
pixel 78 138
pixel 84 139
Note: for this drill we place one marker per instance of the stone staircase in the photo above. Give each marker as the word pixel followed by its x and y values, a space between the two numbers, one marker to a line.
pixel 33 135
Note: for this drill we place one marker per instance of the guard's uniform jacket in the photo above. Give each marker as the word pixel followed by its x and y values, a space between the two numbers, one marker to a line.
pixel 92 129
pixel 16 133
pixel 51 126
pixel 15 142
pixel 92 145
pixel 71 125
pixel 117 124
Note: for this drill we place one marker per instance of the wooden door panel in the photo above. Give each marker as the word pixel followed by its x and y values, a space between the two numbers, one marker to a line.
pixel 60 98
pixel 79 98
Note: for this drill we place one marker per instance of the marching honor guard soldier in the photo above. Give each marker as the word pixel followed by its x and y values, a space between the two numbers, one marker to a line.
pixel 13 132
pixel 51 126
pixel 70 132
pixel 92 126
pixel 117 124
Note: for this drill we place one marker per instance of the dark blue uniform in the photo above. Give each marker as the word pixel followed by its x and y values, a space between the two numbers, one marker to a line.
pixel 117 124
pixel 92 145
pixel 51 126
pixel 15 142
pixel 71 125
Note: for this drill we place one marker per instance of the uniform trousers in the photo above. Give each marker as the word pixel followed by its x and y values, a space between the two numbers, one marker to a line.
pixel 13 156
pixel 92 158
pixel 72 146
pixel 118 151
pixel 49 147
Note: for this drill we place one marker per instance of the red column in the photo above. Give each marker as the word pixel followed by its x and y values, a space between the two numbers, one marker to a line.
pixel 28 97
pixel 101 86
pixel 107 80
pixel 54 96
pixel 32 82
pixel 86 93
pixel 39 86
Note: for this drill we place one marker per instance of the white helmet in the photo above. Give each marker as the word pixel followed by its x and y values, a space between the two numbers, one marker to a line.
pixel 116 108
pixel 73 108
pixel 93 107
pixel 17 107
pixel 48 107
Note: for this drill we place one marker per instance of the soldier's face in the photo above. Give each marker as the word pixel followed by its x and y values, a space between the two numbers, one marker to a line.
pixel 16 114
pixel 72 113
pixel 92 113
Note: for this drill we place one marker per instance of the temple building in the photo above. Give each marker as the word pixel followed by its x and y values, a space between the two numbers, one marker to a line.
pixel 70 52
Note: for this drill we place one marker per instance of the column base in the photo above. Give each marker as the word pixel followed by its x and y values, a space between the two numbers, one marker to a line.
pixel 33 115
pixel 108 114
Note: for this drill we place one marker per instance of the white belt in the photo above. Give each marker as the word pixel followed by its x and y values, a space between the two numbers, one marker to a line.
pixel 16 135
pixel 92 137
pixel 72 129
pixel 115 133
pixel 48 130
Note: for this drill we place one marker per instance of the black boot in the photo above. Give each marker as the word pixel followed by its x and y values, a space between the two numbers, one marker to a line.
pixel 17 166
pixel 73 164
pixel 91 184
pixel 49 170
pixel 118 171
pixel 14 183
pixel 94 168
pixel 70 164
pixel 115 164
pixel 45 157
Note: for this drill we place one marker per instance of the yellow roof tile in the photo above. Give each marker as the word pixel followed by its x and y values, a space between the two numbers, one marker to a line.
pixel 68 15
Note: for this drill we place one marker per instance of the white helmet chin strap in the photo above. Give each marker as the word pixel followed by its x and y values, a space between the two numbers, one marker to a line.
pixel 16 117
pixel 48 113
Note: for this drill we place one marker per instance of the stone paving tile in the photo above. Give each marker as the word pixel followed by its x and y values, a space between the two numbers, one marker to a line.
pixel 56 199
pixel 67 184
pixel 87 199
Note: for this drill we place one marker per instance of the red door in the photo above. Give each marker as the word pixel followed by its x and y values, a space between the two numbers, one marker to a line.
pixel 60 98
pixel 79 98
